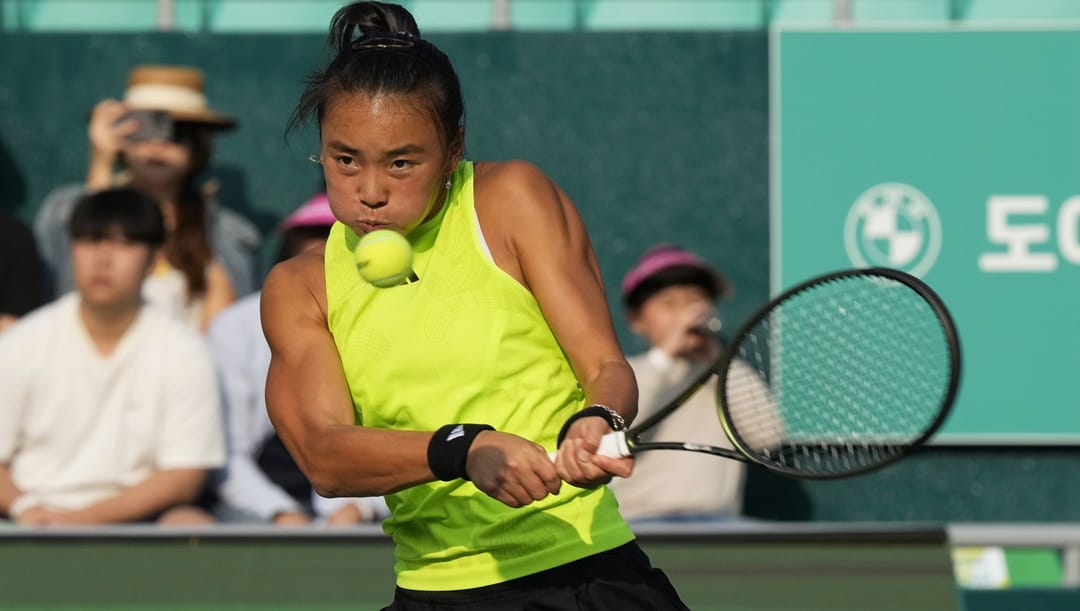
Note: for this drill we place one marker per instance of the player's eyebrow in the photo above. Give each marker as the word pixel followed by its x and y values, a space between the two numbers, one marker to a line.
pixel 341 146
pixel 406 149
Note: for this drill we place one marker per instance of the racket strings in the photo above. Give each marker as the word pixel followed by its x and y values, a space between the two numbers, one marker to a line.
pixel 842 376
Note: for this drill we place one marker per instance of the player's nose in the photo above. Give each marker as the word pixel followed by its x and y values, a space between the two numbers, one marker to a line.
pixel 371 190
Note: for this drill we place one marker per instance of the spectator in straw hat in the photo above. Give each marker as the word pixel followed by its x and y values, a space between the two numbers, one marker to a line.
pixel 159 135
pixel 670 297
pixel 261 482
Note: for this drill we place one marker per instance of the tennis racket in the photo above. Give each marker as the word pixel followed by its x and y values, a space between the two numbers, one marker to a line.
pixel 840 375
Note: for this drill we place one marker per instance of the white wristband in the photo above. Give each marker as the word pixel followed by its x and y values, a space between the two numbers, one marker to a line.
pixel 21 504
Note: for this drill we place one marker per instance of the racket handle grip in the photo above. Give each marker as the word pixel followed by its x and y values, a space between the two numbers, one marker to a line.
pixel 612 444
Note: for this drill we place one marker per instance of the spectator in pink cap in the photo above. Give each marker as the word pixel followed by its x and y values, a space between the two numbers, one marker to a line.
pixel 314 213
pixel 260 481
pixel 670 296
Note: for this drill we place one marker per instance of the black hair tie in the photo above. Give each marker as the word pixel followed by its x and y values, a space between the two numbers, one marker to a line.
pixel 386 40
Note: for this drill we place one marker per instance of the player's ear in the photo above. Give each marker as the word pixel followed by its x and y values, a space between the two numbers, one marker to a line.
pixel 457 147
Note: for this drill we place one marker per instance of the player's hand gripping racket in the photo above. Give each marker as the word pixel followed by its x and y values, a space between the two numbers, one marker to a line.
pixel 839 375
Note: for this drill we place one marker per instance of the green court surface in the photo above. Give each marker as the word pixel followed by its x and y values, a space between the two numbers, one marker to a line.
pixel 742 567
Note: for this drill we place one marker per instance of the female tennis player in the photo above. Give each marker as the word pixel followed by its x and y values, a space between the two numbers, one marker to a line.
pixel 447 393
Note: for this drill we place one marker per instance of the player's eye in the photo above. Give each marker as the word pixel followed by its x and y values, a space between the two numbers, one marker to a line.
pixel 401 164
pixel 345 161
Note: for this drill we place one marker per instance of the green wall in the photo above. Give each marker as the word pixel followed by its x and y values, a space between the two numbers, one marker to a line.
pixel 656 137
pixel 937 484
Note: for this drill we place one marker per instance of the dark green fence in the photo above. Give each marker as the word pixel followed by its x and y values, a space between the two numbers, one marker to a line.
pixel 656 137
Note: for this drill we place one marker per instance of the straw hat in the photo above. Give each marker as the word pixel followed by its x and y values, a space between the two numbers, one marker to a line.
pixel 178 90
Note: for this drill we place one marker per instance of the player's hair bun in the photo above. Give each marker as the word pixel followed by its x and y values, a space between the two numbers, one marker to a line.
pixel 368 19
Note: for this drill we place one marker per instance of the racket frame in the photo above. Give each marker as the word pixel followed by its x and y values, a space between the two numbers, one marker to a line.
pixel 729 354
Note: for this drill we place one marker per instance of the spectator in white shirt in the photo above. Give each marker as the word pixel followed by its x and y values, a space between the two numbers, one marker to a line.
pixel 110 408
pixel 260 481
pixel 670 297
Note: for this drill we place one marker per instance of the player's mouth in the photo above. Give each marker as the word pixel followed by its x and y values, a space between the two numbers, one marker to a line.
pixel 369 226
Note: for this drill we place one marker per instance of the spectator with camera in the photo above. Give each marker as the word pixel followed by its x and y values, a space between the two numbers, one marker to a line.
pixel 159 138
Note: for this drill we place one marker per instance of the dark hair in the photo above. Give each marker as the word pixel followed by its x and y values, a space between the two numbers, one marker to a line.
pixel 379 50
pixel 187 245
pixel 125 211
pixel 295 237
pixel 678 275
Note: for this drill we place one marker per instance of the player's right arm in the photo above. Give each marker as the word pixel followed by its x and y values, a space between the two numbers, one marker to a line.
pixel 308 400
pixel 309 404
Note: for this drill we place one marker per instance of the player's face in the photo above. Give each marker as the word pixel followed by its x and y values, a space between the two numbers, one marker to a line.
pixel 109 272
pixel 385 162
pixel 667 318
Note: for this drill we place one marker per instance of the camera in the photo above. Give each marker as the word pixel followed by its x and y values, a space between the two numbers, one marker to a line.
pixel 152 125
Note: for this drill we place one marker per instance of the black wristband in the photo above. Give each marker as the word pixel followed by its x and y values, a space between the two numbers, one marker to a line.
pixel 602 411
pixel 448 449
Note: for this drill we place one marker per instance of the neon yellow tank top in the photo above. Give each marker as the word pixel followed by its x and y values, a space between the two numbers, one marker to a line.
pixel 466 343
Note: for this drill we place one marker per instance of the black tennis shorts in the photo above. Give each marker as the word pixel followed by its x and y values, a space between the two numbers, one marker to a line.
pixel 620 579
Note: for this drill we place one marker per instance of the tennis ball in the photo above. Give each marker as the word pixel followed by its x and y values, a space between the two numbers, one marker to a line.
pixel 384 258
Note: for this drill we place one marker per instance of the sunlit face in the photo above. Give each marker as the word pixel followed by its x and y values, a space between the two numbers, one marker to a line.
pixel 157 160
pixel 384 161
pixel 109 272
pixel 668 311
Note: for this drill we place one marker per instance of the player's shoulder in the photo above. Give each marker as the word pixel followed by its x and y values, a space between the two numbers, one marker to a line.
pixel 512 175
pixel 295 285
pixel 302 271
pixel 518 190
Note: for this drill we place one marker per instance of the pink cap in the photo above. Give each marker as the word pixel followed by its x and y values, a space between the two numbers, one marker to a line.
pixel 315 211
pixel 665 256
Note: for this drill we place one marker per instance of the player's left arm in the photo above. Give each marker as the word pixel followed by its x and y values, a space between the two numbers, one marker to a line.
pixel 546 247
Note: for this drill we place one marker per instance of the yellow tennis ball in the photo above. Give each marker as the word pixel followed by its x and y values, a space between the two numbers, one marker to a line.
pixel 384 257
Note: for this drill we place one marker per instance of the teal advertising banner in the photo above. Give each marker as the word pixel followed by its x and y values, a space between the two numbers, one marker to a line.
pixel 953 154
